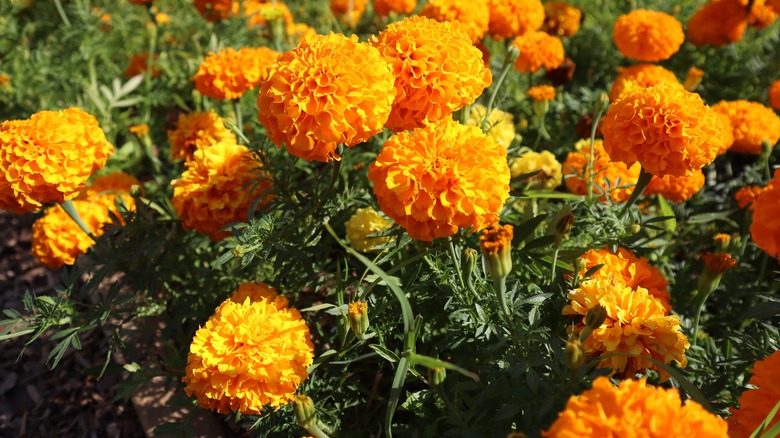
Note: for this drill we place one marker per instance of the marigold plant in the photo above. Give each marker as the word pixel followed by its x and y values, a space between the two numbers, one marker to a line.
pixel 537 50
pixel 139 64
pixel 562 19
pixel 104 189
pixel 676 188
pixel 57 240
pixel 550 170
pixel 752 124
pixel 746 196
pixel 364 223
pixel 214 10
pixel 718 262
pixel 500 124
pixel 755 404
pixel 718 23
pixel 635 77
pixel 541 93
pixel 473 15
pixel 510 18
pixel 230 73
pixel 383 8
pixel 765 229
pixel 611 178
pixel 197 130
pixel 646 35
pixel 773 95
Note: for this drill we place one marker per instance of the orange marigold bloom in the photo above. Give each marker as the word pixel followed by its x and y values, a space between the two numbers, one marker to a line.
pixel 718 23
pixel 637 324
pixel 510 18
pixel 746 196
pixel 250 354
pixel 646 35
pixel 383 8
pixel 667 129
pixel 141 130
pixel 718 262
pixel 329 90
pixel 197 130
pixel 214 10
pixel 57 240
pixel 727 132
pixel 693 79
pixel 259 12
pixel 634 408
pixel 775 5
pixel 341 8
pixel 541 93
pixel 104 189
pixel 765 229
pixel 230 73
pixel 139 64
pixel 439 178
pixel 296 32
pixel 761 15
pixel 676 188
pixel 612 178
pixel 752 124
pixel 774 95
pixel 537 50
pixel 437 70
pixel 48 158
pixel 212 192
pixel 473 15
pixel 562 19
pixel 755 404
pixel 633 78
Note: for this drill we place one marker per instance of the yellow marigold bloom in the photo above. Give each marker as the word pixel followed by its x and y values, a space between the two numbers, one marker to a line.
pixel 500 125
pixel 676 188
pixel 162 18
pixel 562 19
pixel 139 65
pixel 541 93
pixel 5 80
pixel 230 73
pixel 752 124
pixel 57 240
pixel 250 354
pixel 550 170
pixel 774 95
pixel 634 409
pixel 341 9
pixel 473 15
pixel 637 324
pixel 537 50
pixel 761 15
pixel 366 222
pixel 668 130
pixel 214 10
pixel 718 262
pixel 260 12
pixel 329 90
pixel 437 70
pixel 718 23
pixel 755 404
pixel 722 239
pixel 746 196
pixel 765 229
pixel 439 178
pixel 633 78
pixel 197 130
pixel 510 18
pixel 646 35
pixel 259 292
pixel 141 130
pixel 48 158
pixel 383 8
pixel 693 79
pixel 612 178
pixel 212 192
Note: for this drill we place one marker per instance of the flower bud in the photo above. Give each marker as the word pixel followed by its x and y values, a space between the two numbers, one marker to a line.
pixel 305 413
pixel 563 227
pixel 238 251
pixel 635 228
pixel 496 245
pixel 512 53
pixel 714 267
pixel 468 262
pixel 575 354
pixel 593 320
pixel 358 318
pixel 722 242
pixel 541 107
pixel 136 191
pixel 693 79
pixel 436 376
pixel 602 103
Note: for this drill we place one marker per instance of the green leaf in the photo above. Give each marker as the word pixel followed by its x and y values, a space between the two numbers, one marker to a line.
pixel 539 242
pixel 395 394
pixel 666 210
pixel 430 362
pixel 761 429
pixel 711 217
pixel 537 194
pixel 526 228
pixel 385 353
pixel 764 310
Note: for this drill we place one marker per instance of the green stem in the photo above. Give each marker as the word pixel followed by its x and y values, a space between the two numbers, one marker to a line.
pixel 554 262
pixel 591 155
pixel 70 209
pixel 455 261
pixel 500 286
pixel 497 86
pixel 639 188
pixel 315 431
pixel 239 121
pixel 61 10
pixel 698 305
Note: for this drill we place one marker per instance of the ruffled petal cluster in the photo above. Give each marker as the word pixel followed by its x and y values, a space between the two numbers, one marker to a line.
pixel 230 73
pixel 746 196
pixel 634 409
pixel 510 18
pixel 774 95
pixel 752 124
pixel 341 9
pixel 214 10
pixel 541 93
pixel 329 90
pixel 537 50
pixel 48 158
pixel 755 404
pixel 197 130
pixel 668 130
pixel 761 14
pixel 437 70
pixel 765 229
pixel 473 15
pixel 57 240
pixel 104 189
pixel 253 352
pixel 676 188
pixel 630 79
pixel 550 170
pixel 718 23
pixel 561 19
pixel 383 8
pixel 500 124
pixel 212 192
pixel 612 178
pixel 646 35
pixel 442 177
pixel 364 223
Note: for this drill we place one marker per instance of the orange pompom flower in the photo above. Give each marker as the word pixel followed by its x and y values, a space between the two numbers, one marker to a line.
pixel 668 130
pixel 253 352
pixel 746 196
pixel 197 130
pixel 562 19
pixel 473 15
pixel 646 35
pixel 718 23
pixel 541 93
pixel 329 90
pixel 676 188
pixel 383 8
pixel 230 73
pixel 437 179
pixel 341 8
pixel 774 95
pixel 612 178
pixel 537 50
pixel 752 124
pixel 48 158
pixel 214 10
pixel 630 79
pixel 212 192
pixel 437 70
pixel 634 409
pixel 774 5
pixel 765 229
pixel 761 15
pixel 510 18
pixel 139 64
pixel 57 240
pixel 104 189
pixel 755 404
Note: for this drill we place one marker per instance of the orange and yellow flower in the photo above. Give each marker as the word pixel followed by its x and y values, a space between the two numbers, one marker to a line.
pixel 104 189
pixel 537 50
pixel 646 35
pixel 746 196
pixel 259 13
pixel 612 178
pixel 230 73
pixel 718 262
pixel 718 23
pixel 364 223
pixel 197 130
pixel 562 19
pixel 752 124
pixel 630 79
pixel 500 124
pixel 139 64
pixel 774 95
pixel 473 15
pixel 58 241
pixel 550 170
pixel 755 404
pixel 676 188
pixel 511 18
pixel 214 10
pixel 541 93
pixel 383 8
pixel 351 17
pixel 761 14
pixel 765 229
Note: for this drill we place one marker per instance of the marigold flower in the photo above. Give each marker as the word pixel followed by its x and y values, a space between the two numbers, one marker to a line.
pixel 259 292
pixel 761 15
pixel 562 19
pixel 104 189
pixel 215 10
pixel 496 245
pixel 541 93
pixel 722 239
pixel 646 35
pixel 161 18
pixel 296 32
pixel 139 65
pixel 752 124
pixel 57 240
pixel 550 170
pixel 330 90
pixel 718 23
pixel 366 222
pixel 667 129
pixel 765 229
pixel 439 178
pixel 48 158
pixel 212 192
pixel 676 188
pixel 260 12
pixel 746 196
pixel 755 404
pixel 634 408
pixel 510 18
pixel 727 132
pixel 631 79
pixel 613 179
pixel 141 130
pixel 341 9
pixel 719 262
pixel 774 95
pixel 473 15
pixel 537 50
pixel 383 8
pixel 437 70
pixel 563 74
pixel 500 125
pixel 693 79
pixel 230 73
pixel 637 324
pixel 775 5
pixel 250 354
pixel 197 130
pixel 358 318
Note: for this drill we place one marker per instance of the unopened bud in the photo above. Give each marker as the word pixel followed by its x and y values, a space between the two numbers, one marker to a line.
pixel 575 354
pixel 496 244
pixel 580 265
pixel 358 318
pixel 602 103
pixel 563 227
pixel 135 191
pixel 693 79
pixel 305 413
pixel 238 251
pixel 541 107
pixel 436 376
pixel 512 53
pixel 635 228
pixel 593 320
pixel 468 262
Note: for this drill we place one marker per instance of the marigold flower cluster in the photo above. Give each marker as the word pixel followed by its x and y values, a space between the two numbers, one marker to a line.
pixel 550 170
pixel 230 73
pixel 537 50
pixel 765 229
pixel 473 15
pixel 774 95
pixel 212 192
pixel 668 130
pixel 676 188
pixel 215 10
pixel 48 158
pixel 197 130
pixel 437 70
pixel 646 35
pixel 500 124
pixel 364 223
pixel 630 79
pixel 562 19
pixel 139 64
pixel 57 240
pixel 541 93
pixel 755 404
pixel 251 353
pixel 329 90
pixel 340 8
pixel 718 23
pixel 634 408
pixel 511 18
pixel 613 179
pixel 752 123
pixel 383 8
pixel 746 196
pixel 439 178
